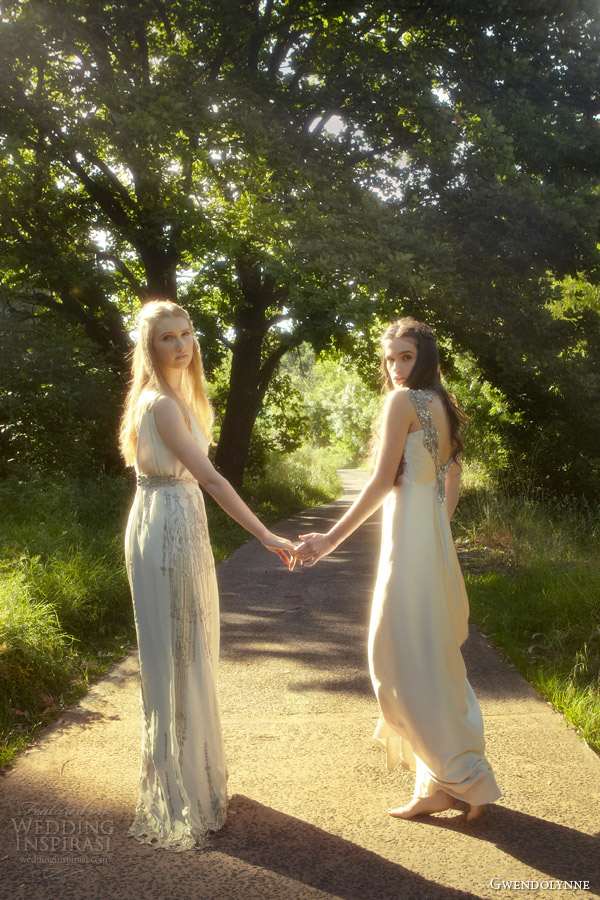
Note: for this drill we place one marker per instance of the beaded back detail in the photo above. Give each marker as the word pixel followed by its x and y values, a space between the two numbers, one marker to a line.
pixel 421 400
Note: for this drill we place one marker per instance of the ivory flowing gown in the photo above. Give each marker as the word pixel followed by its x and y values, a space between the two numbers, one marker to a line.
pixel 430 719
pixel 183 793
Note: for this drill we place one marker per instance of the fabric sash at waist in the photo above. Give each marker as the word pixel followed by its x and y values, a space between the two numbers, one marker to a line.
pixel 158 481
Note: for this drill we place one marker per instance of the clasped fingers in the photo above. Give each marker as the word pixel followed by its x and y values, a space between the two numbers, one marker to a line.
pixel 312 548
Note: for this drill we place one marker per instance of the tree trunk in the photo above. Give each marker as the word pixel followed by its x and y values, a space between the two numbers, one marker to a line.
pixel 250 374
pixel 161 274
pixel 243 402
pixel 246 388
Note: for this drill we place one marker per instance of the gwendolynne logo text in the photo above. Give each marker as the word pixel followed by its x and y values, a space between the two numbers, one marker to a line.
pixel 498 884
pixel 60 830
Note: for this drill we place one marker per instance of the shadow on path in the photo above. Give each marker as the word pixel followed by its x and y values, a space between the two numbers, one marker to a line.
pixel 563 853
pixel 269 839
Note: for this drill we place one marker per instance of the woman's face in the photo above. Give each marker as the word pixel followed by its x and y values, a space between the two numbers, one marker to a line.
pixel 400 358
pixel 173 342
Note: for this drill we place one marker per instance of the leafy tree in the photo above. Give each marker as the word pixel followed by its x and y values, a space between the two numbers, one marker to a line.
pixel 59 403
pixel 282 422
pixel 339 407
pixel 189 149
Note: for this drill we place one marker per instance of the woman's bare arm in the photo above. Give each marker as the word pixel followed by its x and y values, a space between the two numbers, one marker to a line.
pixel 176 435
pixel 453 487
pixel 397 416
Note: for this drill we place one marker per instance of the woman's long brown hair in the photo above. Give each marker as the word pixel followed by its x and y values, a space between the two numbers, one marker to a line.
pixel 425 375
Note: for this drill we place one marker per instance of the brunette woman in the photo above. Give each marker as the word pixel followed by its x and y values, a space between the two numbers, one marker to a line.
pixel 430 720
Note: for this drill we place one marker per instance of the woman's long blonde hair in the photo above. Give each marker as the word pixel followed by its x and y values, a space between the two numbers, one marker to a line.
pixel 146 375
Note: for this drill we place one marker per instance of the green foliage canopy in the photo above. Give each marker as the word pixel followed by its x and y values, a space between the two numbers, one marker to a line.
pixel 289 169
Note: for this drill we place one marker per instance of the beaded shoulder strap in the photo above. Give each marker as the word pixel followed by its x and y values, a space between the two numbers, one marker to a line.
pixel 421 400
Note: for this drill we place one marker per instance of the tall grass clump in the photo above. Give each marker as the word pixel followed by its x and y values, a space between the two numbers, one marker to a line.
pixel 36 662
pixel 534 588
pixel 65 610
pixel 299 480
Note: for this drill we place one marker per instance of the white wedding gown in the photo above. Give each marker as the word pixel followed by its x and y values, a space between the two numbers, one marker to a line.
pixel 183 793
pixel 430 720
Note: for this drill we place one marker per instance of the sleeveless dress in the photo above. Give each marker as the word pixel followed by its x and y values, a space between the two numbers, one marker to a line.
pixel 183 793
pixel 430 720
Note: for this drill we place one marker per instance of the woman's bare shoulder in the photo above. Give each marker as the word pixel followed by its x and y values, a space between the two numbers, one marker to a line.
pixel 398 399
pixel 399 404
pixel 398 411
pixel 149 396
pixel 166 409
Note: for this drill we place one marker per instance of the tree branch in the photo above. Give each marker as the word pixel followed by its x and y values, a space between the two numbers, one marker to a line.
pixel 215 68
pixel 280 317
pixel 125 271
pixel 305 57
pixel 220 180
pixel 269 367
pixel 281 50
pixel 111 338
pixel 165 20
pixel 41 68
pixel 256 40
pixel 110 176
pixel 325 117
pixel 96 38
pixel 188 166
pixel 104 198
pixel 143 51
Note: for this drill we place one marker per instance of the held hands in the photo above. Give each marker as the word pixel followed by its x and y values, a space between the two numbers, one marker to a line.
pixel 282 547
pixel 313 548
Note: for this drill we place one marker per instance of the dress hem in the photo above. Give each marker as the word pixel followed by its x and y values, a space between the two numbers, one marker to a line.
pixel 396 746
pixel 146 830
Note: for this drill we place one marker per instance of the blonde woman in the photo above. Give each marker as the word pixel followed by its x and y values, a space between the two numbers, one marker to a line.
pixel 165 434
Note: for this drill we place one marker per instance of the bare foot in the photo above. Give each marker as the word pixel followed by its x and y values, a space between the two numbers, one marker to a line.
pixel 422 806
pixel 475 811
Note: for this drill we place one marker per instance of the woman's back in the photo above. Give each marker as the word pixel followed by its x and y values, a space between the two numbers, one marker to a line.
pixel 441 422
pixel 428 452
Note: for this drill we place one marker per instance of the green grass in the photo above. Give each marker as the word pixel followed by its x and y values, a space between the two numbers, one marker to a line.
pixel 65 610
pixel 534 588
pixel 65 606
